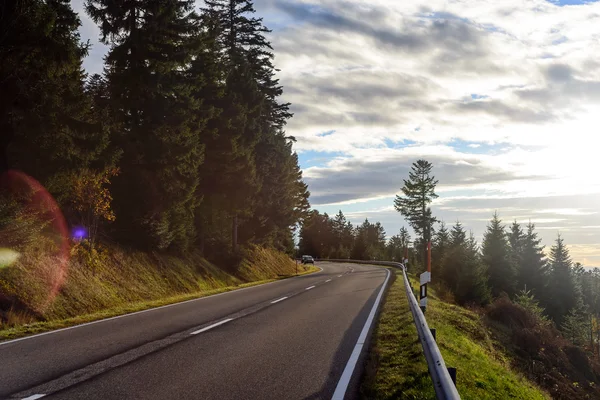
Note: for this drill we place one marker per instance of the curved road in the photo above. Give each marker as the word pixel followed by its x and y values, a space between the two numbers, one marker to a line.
pixel 291 339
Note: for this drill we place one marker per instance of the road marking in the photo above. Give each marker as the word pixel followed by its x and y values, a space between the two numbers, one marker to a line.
pixel 339 276
pixel 342 386
pixel 34 397
pixel 278 300
pixel 211 326
pixel 143 311
pixel 310 287
pixel 328 280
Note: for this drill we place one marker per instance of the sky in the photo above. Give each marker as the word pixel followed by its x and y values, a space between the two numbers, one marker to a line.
pixel 502 97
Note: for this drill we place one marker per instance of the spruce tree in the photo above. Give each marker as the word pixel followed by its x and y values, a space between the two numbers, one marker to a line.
pixel 516 239
pixel 561 297
pixel 441 245
pixel 418 192
pixel 150 48
pixel 532 271
pixel 45 122
pixel 452 266
pixel 458 235
pixel 283 197
pixel 397 245
pixel 463 271
pixel 496 257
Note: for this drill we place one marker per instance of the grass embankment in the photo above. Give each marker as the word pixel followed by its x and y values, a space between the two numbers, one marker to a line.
pixel 396 367
pixel 119 282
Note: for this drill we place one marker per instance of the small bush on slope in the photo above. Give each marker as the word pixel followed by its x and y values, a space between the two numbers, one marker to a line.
pixel 539 351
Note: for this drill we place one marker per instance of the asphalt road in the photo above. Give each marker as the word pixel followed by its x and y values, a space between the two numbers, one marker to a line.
pixel 291 339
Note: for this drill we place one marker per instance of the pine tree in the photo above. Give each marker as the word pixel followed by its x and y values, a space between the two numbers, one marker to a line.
pixel 150 47
pixel 473 286
pixel 398 245
pixel 441 245
pixel 45 122
pixel 463 271
pixel 419 192
pixel 458 236
pixel 561 297
pixel 340 231
pixel 283 197
pixel 527 300
pixel 532 271
pixel 452 266
pixel 496 257
pixel 516 239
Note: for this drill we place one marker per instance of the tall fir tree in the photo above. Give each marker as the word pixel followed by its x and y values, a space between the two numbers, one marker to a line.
pixel 560 297
pixel 451 266
pixel 533 269
pixel 418 192
pixel 463 270
pixel 398 245
pixel 516 239
pixel 441 245
pixel 496 257
pixel 458 235
pixel 45 119
pixel 283 196
pixel 150 49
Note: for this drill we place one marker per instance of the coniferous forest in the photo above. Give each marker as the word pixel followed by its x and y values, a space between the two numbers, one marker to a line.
pixel 178 145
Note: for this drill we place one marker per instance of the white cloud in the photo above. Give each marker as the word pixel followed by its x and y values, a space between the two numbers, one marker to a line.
pixel 502 96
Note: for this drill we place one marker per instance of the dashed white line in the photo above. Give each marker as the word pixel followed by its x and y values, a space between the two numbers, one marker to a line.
pixel 342 386
pixel 310 287
pixel 34 397
pixel 211 326
pixel 339 276
pixel 328 280
pixel 141 312
pixel 278 300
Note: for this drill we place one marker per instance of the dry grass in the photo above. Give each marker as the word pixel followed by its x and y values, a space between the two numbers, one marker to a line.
pixel 114 281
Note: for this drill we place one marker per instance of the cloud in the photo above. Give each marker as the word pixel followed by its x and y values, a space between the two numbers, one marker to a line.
pixel 364 177
pixel 517 83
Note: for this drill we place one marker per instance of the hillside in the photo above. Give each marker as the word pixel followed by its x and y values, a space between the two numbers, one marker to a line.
pixel 396 367
pixel 116 281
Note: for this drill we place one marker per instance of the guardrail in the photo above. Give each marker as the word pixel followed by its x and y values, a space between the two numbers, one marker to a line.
pixel 443 384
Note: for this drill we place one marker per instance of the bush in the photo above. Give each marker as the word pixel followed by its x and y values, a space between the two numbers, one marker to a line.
pixel 542 353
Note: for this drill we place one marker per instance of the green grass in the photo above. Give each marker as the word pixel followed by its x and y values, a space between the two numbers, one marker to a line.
pixel 114 282
pixel 396 367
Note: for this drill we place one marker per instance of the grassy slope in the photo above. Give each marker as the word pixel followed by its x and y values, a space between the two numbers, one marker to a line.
pixel 125 282
pixel 396 368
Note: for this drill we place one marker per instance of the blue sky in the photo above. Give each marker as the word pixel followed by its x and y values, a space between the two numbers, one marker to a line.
pixel 502 97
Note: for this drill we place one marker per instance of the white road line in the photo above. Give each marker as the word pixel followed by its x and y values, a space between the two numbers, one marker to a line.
pixel 342 386
pixel 211 326
pixel 34 397
pixel 310 287
pixel 328 280
pixel 339 276
pixel 278 300
pixel 143 311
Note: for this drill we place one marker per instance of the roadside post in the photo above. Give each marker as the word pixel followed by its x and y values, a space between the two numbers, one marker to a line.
pixel 424 279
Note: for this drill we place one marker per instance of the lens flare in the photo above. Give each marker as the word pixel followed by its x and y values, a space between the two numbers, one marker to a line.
pixel 40 204
pixel 8 257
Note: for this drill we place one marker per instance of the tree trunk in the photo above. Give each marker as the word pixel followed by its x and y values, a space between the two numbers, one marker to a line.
pixel 234 233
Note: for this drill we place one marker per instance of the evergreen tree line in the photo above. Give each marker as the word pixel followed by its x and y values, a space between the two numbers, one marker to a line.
pixel 511 261
pixel 325 237
pixel 178 145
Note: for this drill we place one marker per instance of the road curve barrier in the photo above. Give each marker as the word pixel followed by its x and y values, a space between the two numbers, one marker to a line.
pixel 443 383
